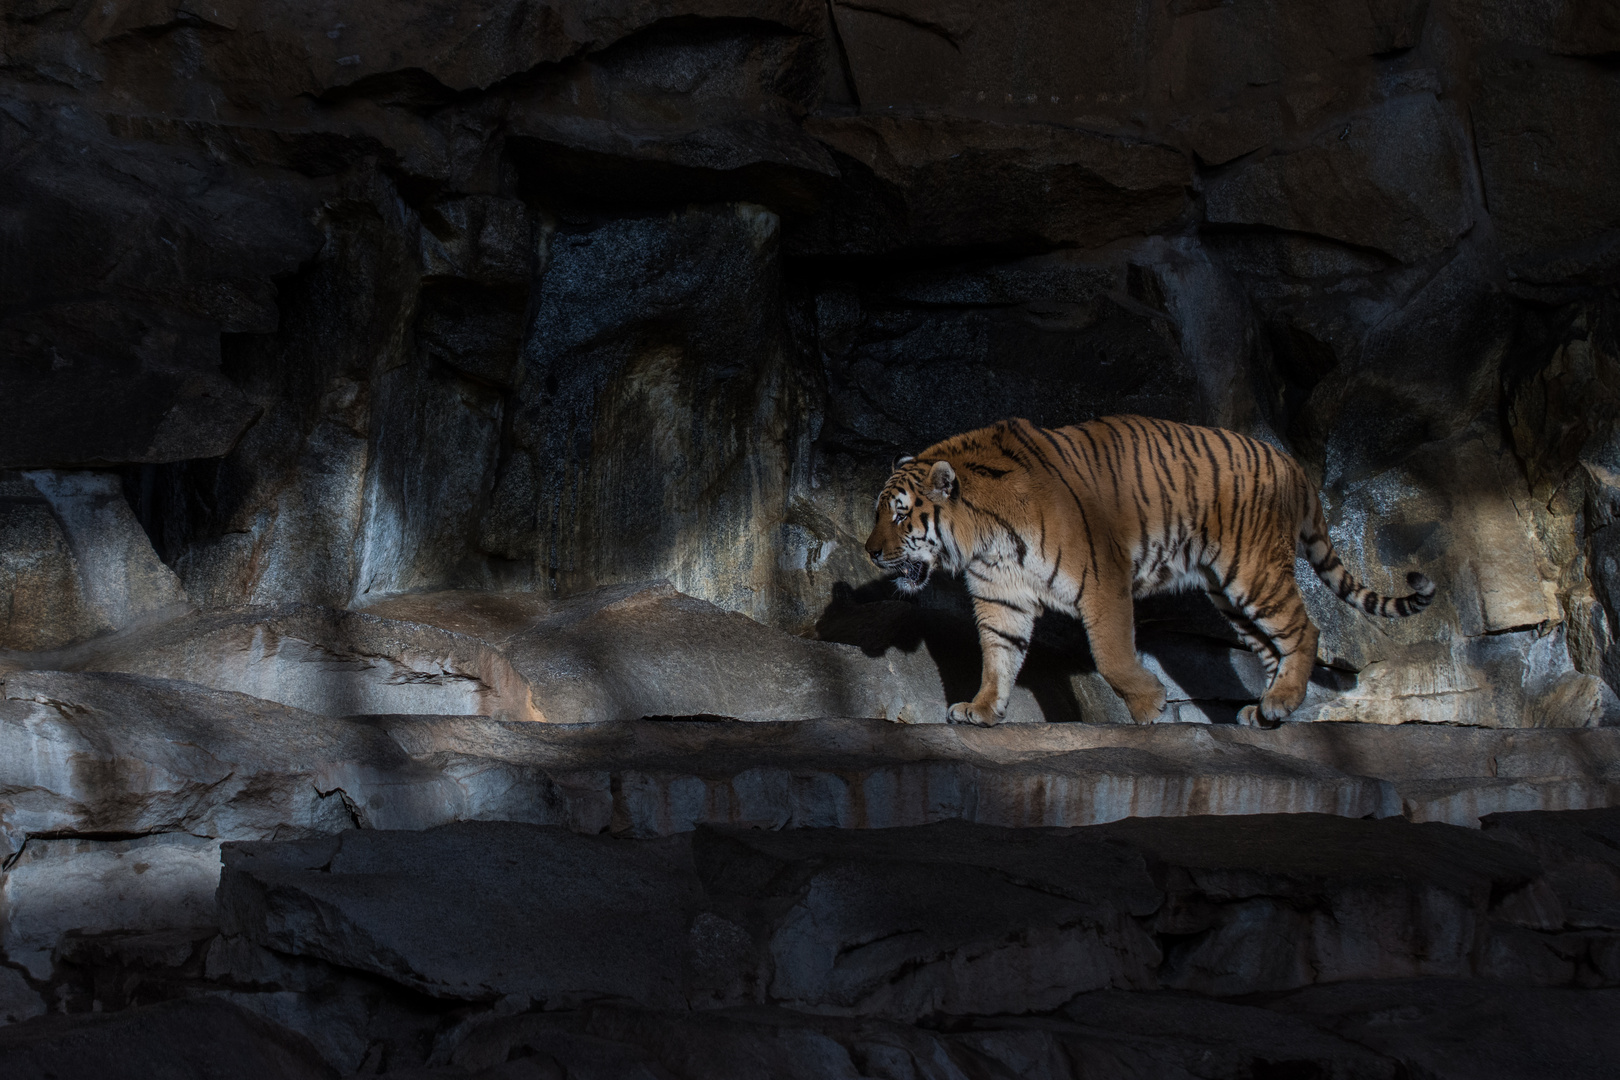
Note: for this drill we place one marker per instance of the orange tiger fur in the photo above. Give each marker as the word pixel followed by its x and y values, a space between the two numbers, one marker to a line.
pixel 1083 519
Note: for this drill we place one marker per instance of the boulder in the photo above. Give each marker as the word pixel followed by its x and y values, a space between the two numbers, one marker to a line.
pixel 18 1001
pixel 331 663
pixel 1211 55
pixel 1578 850
pixel 964 183
pixel 639 453
pixel 700 112
pixel 121 755
pixel 1549 165
pixel 897 924
pixel 1567 27
pixel 1114 1035
pixel 283 516
pixel 182 1040
pixel 616 653
pixel 120 576
pixel 1394 179
pixel 248 769
pixel 1107 1034
pixel 280 55
pixel 44 603
pixel 1451 1029
pixel 573 918
pixel 1331 900
pixel 130 262
pixel 161 882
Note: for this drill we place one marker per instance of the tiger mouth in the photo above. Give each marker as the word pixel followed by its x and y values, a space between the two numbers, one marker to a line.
pixel 913 572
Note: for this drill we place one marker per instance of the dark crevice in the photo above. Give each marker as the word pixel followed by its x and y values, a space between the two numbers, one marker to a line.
pixel 902 17
pixel 845 69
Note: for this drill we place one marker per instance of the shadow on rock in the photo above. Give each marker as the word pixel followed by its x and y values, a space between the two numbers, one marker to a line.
pixel 1208 674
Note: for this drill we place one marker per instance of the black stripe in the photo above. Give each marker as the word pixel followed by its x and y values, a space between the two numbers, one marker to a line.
pixel 1020 643
pixel 1190 503
pixel 1002 603
pixel 1023 549
pixel 1139 495
pixel 1215 492
pixel 1085 522
pixel 1096 450
pixel 1136 457
pixel 1149 447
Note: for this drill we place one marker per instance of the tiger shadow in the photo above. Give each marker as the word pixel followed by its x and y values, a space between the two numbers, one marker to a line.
pixel 1193 647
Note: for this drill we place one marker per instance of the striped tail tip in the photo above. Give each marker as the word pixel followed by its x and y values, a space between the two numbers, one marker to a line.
pixel 1422 593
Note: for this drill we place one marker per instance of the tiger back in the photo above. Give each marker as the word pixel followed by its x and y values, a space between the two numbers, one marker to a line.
pixel 1084 519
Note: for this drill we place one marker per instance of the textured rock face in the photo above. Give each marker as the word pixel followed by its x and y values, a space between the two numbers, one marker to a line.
pixel 381 378
pixel 536 298
pixel 1056 952
pixel 898 924
pixel 394 862
pixel 190 1040
pixel 119 790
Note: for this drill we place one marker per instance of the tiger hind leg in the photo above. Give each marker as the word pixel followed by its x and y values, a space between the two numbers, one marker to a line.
pixel 1107 614
pixel 1276 627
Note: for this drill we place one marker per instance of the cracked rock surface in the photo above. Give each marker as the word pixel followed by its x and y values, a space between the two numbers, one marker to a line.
pixel 322 310
pixel 915 872
pixel 903 923
pixel 1389 949
pixel 438 442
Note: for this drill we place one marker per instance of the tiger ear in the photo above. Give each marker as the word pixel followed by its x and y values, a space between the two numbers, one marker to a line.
pixel 903 459
pixel 942 486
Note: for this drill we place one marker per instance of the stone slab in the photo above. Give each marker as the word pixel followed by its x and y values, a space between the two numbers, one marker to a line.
pixel 628 652
pixel 1446 1029
pixel 94 754
pixel 176 1040
pixel 571 919
pixel 160 882
pixel 901 924
pixel 615 653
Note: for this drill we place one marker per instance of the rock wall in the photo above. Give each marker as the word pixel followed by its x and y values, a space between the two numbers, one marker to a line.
pixel 381 378
pixel 352 300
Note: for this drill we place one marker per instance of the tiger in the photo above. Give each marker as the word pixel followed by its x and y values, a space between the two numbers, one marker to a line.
pixel 1086 518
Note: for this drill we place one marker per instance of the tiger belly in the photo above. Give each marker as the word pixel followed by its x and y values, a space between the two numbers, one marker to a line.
pixel 1166 570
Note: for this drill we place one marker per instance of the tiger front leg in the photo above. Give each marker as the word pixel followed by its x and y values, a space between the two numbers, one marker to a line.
pixel 1004 633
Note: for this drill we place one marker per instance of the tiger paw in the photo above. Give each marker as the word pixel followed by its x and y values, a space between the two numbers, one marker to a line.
pixel 966 712
pixel 1147 707
pixel 1254 716
pixel 1277 704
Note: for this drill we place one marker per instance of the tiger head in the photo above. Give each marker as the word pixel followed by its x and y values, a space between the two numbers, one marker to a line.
pixel 912 535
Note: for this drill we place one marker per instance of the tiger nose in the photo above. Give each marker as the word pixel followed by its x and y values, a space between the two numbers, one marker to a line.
pixel 874 553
